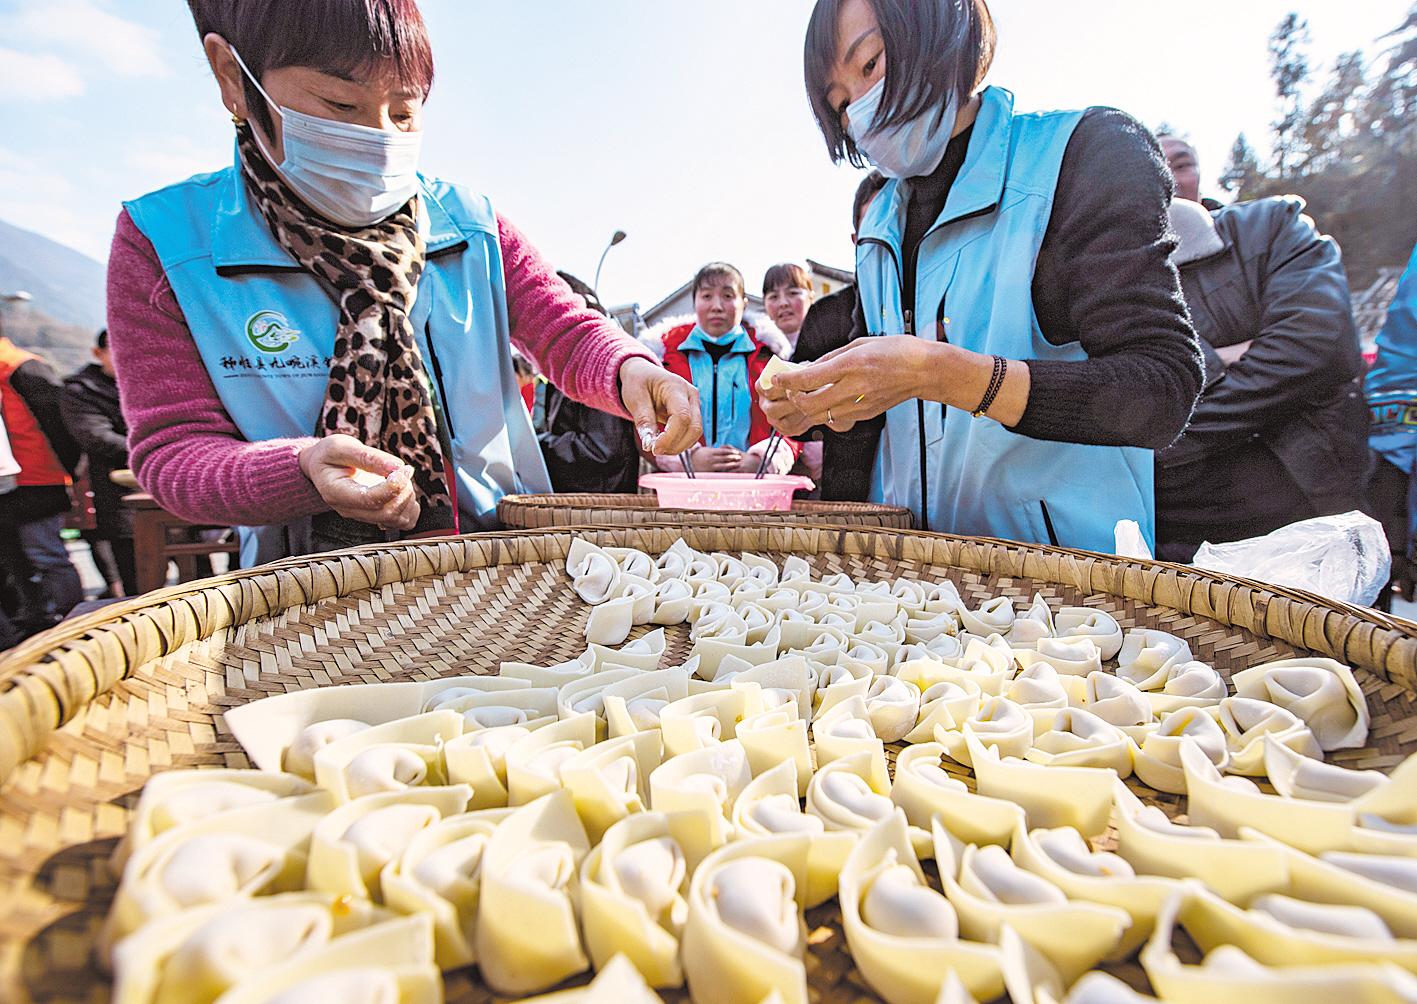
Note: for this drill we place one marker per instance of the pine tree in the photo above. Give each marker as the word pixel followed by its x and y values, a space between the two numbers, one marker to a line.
pixel 1392 103
pixel 1289 67
pixel 1333 116
pixel 1243 169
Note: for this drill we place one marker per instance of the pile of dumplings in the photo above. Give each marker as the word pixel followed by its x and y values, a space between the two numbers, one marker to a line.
pixel 669 827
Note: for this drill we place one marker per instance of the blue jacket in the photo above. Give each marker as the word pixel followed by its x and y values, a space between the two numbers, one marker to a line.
pixel 266 328
pixel 974 277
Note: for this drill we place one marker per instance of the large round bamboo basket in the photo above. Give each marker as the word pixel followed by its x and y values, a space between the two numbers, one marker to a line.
pixel 533 512
pixel 91 710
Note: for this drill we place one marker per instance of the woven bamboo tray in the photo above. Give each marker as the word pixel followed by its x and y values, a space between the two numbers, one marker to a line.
pixel 89 711
pixel 533 512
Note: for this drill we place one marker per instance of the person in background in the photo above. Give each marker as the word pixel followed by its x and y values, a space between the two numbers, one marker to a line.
pixel 846 457
pixel 32 515
pixel 1185 168
pixel 94 418
pixel 319 336
pixel 1280 432
pixel 586 449
pixel 1029 345
pixel 9 481
pixel 1392 398
pixel 723 358
pixel 787 296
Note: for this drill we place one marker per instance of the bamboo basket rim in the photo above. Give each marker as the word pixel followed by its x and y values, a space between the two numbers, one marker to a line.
pixel 35 648
pixel 626 500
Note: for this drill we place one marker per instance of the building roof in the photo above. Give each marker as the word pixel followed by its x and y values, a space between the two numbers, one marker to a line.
pixel 835 274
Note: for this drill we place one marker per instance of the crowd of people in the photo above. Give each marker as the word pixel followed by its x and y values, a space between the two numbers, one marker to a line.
pixel 1051 329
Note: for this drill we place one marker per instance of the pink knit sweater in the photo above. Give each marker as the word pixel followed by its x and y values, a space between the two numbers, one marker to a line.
pixel 187 452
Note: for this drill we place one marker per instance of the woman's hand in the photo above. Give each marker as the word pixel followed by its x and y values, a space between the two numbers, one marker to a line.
pixel 782 458
pixel 717 459
pixel 654 397
pixel 331 464
pixel 856 382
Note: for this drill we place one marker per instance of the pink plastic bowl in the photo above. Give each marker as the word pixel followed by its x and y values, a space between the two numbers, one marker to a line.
pixel 726 492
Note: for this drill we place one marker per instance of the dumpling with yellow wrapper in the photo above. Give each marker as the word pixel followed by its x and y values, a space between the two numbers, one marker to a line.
pixel 903 935
pixel 178 797
pixel 389 963
pixel 708 780
pixel 745 937
pixel 439 873
pixel 774 737
pixel 926 792
pixel 1157 761
pixel 528 931
pixel 195 956
pixel 253 851
pixel 405 753
pixel 534 761
pixel 998 724
pixel 610 780
pixel 846 729
pixel 350 847
pixel 1246 721
pixel 618 982
pixel 1321 692
pixel 634 888
pixel 1080 797
pixel 770 806
pixel 1077 738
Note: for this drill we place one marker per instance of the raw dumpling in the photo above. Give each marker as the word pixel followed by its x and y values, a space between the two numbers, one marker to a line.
pixel 595 574
pixel 618 982
pixel 1078 738
pixel 1116 701
pixel 998 724
pixel 991 892
pixel 1033 625
pixel 610 780
pixel 849 794
pixel 387 758
pixel 773 737
pixel 708 780
pixel 745 937
pixel 893 706
pixel 947 704
pixel 1098 626
pixel 705 719
pixel 927 792
pixel 534 761
pixel 1188 685
pixel 1157 761
pixel 258 850
pixel 195 956
pixel 479 759
pixel 846 729
pixel 1246 722
pixel 299 757
pixel 995 616
pixel 769 806
pixel 904 936
pixel 440 873
pixel 1069 656
pixel 634 888
pixel 528 933
pixel 1080 797
pixel 350 847
pixel 1146 655
pixel 178 797
pixel 389 963
pixel 611 622
pixel 1321 692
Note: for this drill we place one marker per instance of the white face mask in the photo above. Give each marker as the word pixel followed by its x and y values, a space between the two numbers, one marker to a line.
pixel 910 150
pixel 350 174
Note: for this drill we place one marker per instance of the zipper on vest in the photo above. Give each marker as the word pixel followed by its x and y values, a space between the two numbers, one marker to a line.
pixel 715 402
pixel 1048 523
pixel 920 434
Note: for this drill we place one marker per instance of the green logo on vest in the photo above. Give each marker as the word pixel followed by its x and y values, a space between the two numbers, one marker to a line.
pixel 270 331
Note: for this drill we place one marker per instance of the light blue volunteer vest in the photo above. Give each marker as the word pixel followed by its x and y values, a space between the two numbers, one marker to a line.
pixel 266 328
pixel 974 281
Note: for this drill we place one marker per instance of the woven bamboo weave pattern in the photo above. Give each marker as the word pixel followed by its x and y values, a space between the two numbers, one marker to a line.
pixel 530 512
pixel 89 712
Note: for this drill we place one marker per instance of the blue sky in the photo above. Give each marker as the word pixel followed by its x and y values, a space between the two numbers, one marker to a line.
pixel 684 122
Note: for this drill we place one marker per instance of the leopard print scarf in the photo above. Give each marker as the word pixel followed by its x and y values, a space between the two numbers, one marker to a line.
pixel 378 390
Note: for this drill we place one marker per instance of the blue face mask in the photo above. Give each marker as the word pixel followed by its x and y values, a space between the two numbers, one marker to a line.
pixel 910 150
pixel 350 174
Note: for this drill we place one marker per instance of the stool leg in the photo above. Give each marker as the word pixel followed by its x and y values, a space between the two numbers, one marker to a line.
pixel 149 538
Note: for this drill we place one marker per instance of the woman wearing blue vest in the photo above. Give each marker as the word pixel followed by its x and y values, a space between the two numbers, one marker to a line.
pixel 321 337
pixel 1022 343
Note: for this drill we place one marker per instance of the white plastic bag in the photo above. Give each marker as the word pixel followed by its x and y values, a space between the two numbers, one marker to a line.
pixel 1343 557
pixel 1130 542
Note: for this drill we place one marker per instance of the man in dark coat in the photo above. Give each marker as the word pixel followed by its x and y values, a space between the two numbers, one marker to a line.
pixel 1280 432
pixel 94 419
pixel 586 450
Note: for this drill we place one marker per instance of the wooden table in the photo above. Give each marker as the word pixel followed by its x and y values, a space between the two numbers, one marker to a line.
pixel 154 544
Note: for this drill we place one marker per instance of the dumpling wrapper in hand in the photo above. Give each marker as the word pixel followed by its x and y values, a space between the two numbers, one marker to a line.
pixel 528 932
pixel 745 937
pixel 904 935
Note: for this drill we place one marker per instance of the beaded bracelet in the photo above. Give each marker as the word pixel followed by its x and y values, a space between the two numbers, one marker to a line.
pixel 996 383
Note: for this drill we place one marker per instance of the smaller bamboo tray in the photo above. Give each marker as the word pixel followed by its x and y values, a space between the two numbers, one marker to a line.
pixel 537 512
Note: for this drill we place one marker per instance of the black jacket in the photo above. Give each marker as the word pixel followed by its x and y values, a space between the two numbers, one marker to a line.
pixel 91 412
pixel 586 450
pixel 1296 393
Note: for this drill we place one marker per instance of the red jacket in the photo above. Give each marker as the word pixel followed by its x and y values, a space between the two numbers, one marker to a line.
pixel 39 464
pixel 676 362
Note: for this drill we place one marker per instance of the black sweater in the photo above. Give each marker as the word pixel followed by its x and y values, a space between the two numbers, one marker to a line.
pixel 1103 279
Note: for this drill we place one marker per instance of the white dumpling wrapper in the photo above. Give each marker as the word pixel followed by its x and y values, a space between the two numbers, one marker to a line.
pixel 849 794
pixel 994 616
pixel 1157 762
pixel 1116 701
pixel 1323 693
pixel 926 792
pixel 708 780
pixel 299 757
pixel 1098 626
pixel 1146 655
pixel 1246 721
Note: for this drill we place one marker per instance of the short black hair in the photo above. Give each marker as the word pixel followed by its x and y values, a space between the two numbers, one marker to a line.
pixel 788 274
pixel 102 340
pixel 934 49
pixel 869 188
pixel 719 270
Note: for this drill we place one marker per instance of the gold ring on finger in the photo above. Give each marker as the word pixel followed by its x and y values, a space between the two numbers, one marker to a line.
pixel 859 399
